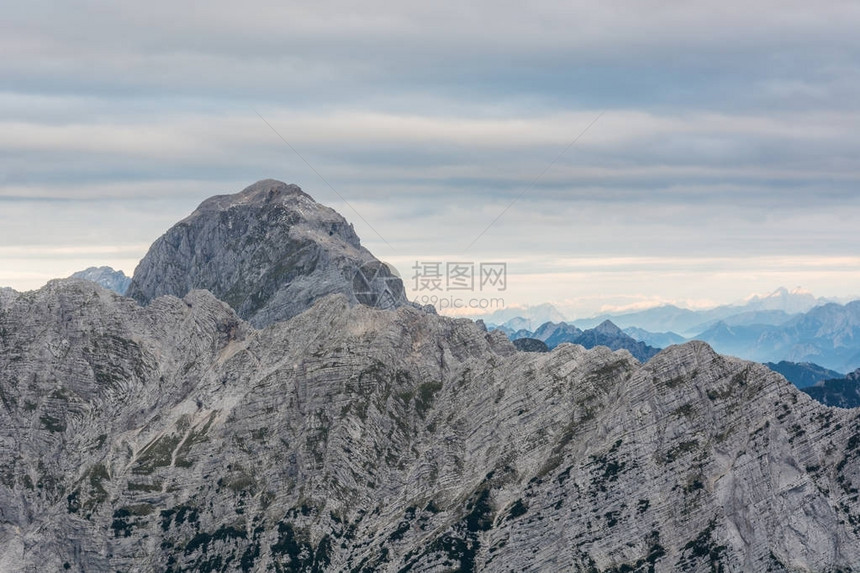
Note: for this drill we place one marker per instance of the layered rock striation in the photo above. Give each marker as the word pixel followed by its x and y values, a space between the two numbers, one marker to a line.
pixel 177 437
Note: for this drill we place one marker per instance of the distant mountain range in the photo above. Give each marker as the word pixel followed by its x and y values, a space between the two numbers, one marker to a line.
pixel 605 334
pixel 828 335
pixel 655 339
pixel 763 329
pixel 524 318
pixel 825 385
pixel 776 308
pixel 530 345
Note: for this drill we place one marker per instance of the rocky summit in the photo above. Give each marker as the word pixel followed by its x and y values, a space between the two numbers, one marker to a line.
pixel 269 252
pixel 177 436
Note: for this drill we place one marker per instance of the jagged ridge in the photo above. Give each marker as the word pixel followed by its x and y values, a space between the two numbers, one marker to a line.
pixel 349 438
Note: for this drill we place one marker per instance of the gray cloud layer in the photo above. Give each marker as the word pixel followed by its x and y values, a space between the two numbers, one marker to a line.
pixel 730 132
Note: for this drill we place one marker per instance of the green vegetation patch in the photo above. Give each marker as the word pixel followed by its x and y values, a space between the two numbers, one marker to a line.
pixel 681 449
pixel 157 453
pixel 425 395
pixel 52 424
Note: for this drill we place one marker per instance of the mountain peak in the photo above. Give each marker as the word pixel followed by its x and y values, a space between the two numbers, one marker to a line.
pixel 783 292
pixel 608 327
pixel 791 301
pixel 263 192
pixel 269 251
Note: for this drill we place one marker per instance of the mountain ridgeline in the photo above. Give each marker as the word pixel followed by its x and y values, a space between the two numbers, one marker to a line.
pixel 176 435
pixel 831 387
pixel 784 326
pixel 828 335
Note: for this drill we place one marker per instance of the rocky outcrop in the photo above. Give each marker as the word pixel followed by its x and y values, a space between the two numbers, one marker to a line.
pixel 7 295
pixel 176 437
pixel 269 252
pixel 107 277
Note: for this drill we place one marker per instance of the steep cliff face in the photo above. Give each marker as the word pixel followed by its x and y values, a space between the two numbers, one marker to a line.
pixel 269 252
pixel 177 437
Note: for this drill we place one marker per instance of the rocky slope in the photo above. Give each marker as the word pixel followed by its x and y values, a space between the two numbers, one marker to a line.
pixel 774 309
pixel 269 252
pixel 177 437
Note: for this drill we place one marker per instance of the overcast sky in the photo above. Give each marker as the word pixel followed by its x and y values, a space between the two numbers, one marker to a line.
pixel 726 160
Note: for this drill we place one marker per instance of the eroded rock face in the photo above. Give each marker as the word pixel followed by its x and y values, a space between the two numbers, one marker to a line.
pixel 176 437
pixel 269 252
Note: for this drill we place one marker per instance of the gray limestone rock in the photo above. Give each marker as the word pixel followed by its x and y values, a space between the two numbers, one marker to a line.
pixel 351 438
pixel 269 252
pixel 7 295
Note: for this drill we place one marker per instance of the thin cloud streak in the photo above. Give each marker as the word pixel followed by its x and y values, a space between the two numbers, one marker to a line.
pixel 167 136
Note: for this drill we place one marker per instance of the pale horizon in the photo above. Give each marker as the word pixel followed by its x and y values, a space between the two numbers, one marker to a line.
pixel 74 259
